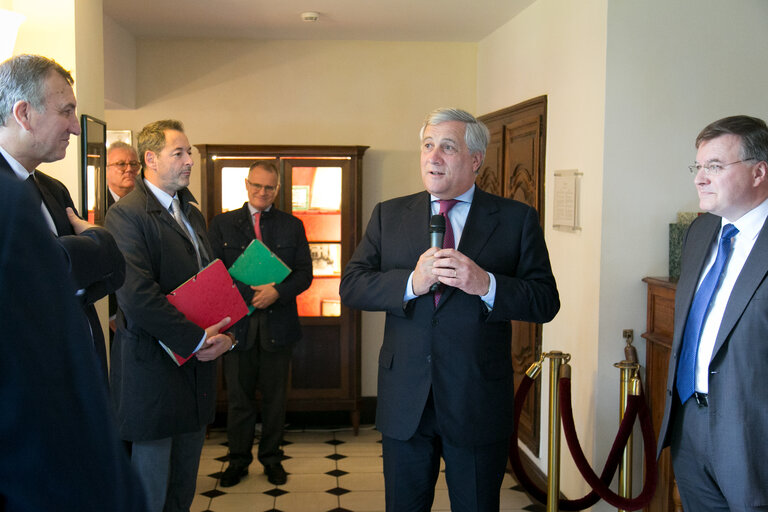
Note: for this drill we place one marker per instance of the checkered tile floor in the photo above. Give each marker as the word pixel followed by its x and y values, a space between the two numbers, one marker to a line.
pixel 328 471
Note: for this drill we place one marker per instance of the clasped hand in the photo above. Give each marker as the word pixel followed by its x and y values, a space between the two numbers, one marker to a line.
pixel 452 268
pixel 215 343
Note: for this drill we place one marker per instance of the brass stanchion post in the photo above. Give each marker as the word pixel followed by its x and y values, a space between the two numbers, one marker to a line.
pixel 553 460
pixel 630 385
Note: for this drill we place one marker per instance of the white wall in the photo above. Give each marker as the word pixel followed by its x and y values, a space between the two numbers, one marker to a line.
pixel 557 48
pixel 69 32
pixel 120 67
pixel 308 92
pixel 657 72
pixel 672 68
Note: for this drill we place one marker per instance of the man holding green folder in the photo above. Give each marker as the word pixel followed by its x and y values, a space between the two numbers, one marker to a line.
pixel 266 337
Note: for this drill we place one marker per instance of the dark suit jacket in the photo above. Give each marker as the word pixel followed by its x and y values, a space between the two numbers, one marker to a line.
pixel 58 444
pixel 460 350
pixel 153 396
pixel 738 407
pixel 93 259
pixel 230 233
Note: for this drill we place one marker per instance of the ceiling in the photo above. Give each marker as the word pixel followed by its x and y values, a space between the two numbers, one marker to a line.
pixel 376 20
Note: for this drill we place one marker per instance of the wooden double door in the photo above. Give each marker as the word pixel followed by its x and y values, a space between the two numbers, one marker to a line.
pixel 514 168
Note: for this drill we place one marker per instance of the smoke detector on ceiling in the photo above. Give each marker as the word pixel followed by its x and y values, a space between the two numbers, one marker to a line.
pixel 310 16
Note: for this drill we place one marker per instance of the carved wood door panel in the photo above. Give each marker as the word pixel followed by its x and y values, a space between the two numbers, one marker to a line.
pixel 514 168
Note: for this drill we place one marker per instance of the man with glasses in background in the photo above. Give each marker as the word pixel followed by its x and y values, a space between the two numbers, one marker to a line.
pixel 262 358
pixel 716 412
pixel 122 168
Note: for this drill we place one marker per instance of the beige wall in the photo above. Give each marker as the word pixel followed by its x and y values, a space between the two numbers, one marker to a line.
pixel 120 67
pixel 666 79
pixel 69 32
pixel 557 49
pixel 626 98
pixel 303 92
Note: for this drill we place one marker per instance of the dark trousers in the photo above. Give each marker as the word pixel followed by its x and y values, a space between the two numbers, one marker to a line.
pixel 246 371
pixel 694 466
pixel 168 470
pixel 411 468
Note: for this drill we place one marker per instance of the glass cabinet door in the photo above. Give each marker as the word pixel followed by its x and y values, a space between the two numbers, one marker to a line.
pixel 316 199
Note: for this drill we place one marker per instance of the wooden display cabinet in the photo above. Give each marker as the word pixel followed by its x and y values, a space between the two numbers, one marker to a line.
pixel 321 185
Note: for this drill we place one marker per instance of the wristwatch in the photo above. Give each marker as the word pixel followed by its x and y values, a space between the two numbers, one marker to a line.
pixel 234 341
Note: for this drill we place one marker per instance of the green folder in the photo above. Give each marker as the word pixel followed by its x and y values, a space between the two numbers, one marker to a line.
pixel 258 265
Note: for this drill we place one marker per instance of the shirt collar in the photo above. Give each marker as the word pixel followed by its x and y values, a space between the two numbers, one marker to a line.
pixel 17 168
pixel 162 196
pixel 466 197
pixel 254 210
pixel 750 224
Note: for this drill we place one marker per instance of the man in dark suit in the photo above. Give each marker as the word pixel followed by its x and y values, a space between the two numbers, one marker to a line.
pixel 445 372
pixel 122 168
pixel 267 336
pixel 162 408
pixel 716 413
pixel 57 436
pixel 35 125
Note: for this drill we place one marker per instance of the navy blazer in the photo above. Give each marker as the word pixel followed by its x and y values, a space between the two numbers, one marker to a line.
pixel 154 397
pixel 460 350
pixel 58 442
pixel 230 233
pixel 94 261
pixel 738 407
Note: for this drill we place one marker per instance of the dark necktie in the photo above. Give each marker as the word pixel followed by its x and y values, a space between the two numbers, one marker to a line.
pixel 702 301
pixel 448 241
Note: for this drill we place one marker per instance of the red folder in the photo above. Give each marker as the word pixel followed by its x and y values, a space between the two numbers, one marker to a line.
pixel 205 299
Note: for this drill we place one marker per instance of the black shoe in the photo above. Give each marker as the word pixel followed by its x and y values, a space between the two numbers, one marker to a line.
pixel 232 475
pixel 275 473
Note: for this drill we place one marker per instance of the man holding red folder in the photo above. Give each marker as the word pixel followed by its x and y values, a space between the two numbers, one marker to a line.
pixel 267 336
pixel 163 408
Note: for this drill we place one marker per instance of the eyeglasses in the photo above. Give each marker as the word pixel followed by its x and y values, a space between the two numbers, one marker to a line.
pixel 123 166
pixel 269 189
pixel 714 168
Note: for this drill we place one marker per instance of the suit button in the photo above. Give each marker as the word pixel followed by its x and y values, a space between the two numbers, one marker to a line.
pixel 429 359
pixel 434 322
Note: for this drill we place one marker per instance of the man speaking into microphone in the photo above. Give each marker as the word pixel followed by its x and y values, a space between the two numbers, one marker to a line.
pixel 445 385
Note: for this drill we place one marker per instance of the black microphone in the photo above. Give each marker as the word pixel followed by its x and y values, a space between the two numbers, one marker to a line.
pixel 436 234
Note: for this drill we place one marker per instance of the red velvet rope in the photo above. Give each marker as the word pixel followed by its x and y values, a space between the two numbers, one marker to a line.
pixel 649 447
pixel 634 404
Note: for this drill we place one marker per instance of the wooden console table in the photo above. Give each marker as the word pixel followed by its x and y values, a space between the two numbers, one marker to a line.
pixel 660 327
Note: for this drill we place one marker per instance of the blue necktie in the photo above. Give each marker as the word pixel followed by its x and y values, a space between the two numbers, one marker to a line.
pixel 686 368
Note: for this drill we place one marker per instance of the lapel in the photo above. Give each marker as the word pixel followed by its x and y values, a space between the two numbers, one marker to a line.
pixel 694 258
pixel 6 167
pixel 154 208
pixel 415 237
pixel 244 225
pixel 750 278
pixel 482 221
pixel 56 209
pixel 58 214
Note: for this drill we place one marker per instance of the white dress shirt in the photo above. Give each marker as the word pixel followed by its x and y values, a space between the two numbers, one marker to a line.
pixel 749 226
pixel 458 218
